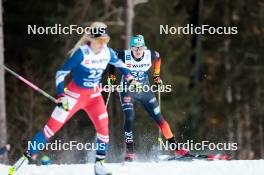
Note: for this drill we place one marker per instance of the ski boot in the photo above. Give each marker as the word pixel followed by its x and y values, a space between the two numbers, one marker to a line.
pixel 23 161
pixel 100 169
pixel 183 154
pixel 130 156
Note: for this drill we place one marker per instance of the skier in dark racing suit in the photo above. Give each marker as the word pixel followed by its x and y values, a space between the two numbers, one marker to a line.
pixel 139 60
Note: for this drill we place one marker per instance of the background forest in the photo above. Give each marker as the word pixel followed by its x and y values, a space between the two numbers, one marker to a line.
pixel 217 80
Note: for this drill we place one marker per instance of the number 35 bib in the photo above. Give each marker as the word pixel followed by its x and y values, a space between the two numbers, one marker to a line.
pixel 138 68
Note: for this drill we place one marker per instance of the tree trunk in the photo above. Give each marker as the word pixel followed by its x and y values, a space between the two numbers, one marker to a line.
pixel 261 137
pixel 130 4
pixel 239 133
pixel 197 43
pixel 248 132
pixel 129 20
pixel 81 16
pixel 259 116
pixel 231 133
pixel 3 132
pixel 229 92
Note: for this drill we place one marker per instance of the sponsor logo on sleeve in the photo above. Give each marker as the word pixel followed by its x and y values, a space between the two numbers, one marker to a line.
pixel 128 57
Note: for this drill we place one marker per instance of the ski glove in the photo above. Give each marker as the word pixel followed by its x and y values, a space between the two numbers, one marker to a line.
pixel 111 80
pixel 157 80
pixel 62 102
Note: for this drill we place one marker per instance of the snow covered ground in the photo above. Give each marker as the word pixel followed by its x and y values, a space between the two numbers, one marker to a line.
pixel 235 167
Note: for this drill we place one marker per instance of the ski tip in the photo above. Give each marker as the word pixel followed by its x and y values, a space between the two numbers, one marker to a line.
pixel 11 170
pixel 219 157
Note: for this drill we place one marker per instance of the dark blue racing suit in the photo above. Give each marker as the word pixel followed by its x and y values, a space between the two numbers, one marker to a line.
pixel 139 69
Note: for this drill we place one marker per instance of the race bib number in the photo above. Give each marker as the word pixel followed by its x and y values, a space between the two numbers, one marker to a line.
pixel 139 75
pixel 95 73
pixel 94 78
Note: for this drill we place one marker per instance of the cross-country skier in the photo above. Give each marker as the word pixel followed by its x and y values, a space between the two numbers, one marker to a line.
pixel 4 149
pixel 87 61
pixel 139 60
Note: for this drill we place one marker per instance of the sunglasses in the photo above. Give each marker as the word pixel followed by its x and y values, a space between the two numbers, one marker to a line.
pixel 138 48
pixel 102 40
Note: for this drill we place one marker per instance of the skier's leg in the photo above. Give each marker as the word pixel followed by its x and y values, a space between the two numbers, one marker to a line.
pixel 58 118
pixel 150 104
pixel 127 102
pixel 97 112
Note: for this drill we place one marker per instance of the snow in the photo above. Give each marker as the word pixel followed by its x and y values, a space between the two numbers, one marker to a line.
pixel 198 167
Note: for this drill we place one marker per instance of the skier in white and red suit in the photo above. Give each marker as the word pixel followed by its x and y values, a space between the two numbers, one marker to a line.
pixel 87 62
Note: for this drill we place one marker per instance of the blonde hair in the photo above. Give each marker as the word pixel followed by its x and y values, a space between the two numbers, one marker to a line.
pixel 86 38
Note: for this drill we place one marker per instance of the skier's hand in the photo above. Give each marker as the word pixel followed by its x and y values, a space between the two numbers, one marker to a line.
pixel 8 147
pixel 135 85
pixel 62 102
pixel 157 80
pixel 111 80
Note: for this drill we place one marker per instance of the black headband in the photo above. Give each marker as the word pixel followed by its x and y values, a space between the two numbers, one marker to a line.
pixel 99 32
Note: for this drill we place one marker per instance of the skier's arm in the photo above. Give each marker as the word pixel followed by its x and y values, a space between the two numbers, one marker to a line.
pixel 118 63
pixel 111 70
pixel 155 57
pixel 73 61
pixel 4 149
pixel 111 78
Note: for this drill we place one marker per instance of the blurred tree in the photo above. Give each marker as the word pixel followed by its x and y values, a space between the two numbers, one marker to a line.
pixel 225 106
pixel 3 129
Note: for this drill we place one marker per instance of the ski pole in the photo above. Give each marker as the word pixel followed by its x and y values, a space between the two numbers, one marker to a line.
pixel 31 85
pixel 159 138
pixel 108 98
